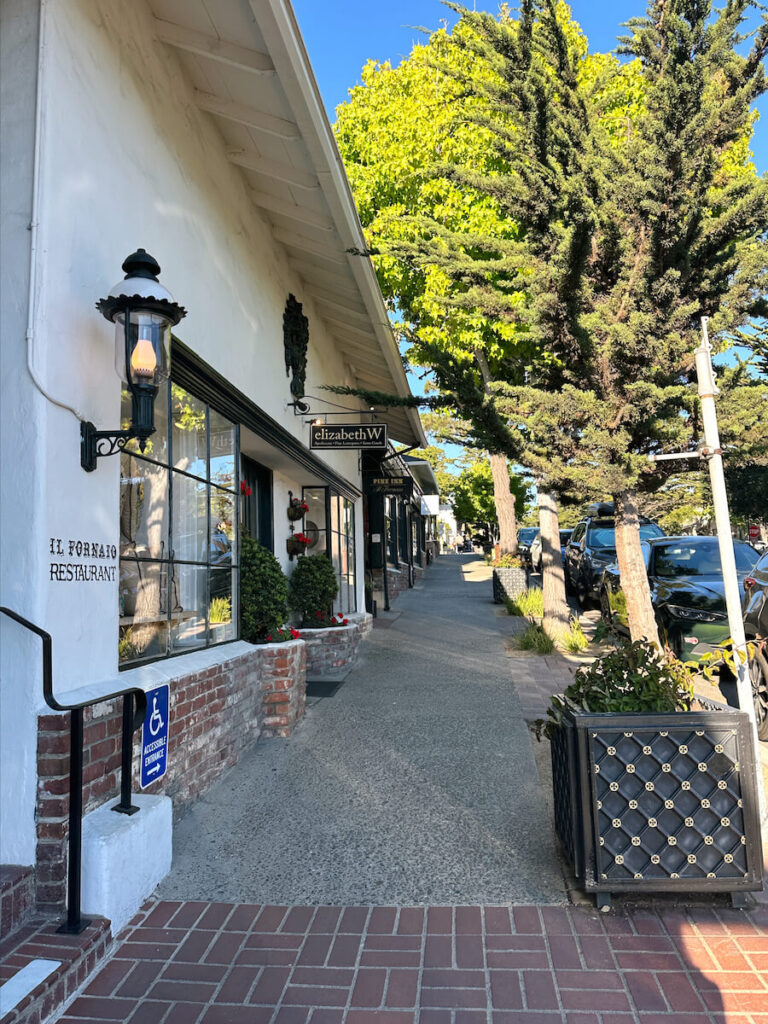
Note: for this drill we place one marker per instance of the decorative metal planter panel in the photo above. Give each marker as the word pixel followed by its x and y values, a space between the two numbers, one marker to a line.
pixel 508 583
pixel 666 802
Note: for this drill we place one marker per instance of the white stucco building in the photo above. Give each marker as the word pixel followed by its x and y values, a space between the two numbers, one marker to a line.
pixel 194 130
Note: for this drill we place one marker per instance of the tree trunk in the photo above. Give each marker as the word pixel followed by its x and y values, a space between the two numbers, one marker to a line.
pixel 505 505
pixel 634 579
pixel 556 611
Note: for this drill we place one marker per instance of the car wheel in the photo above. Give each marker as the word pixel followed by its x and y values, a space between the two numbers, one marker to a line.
pixel 760 691
pixel 568 583
pixel 605 607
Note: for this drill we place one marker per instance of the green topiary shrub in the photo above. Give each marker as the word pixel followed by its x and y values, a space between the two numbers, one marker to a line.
pixel 311 590
pixel 263 587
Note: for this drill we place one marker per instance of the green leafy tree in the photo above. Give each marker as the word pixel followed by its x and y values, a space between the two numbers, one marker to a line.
pixel 474 499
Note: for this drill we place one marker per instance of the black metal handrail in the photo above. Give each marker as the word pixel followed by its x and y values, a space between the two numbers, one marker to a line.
pixel 133 716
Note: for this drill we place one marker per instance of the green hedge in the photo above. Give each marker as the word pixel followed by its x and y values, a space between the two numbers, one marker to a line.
pixel 312 588
pixel 263 588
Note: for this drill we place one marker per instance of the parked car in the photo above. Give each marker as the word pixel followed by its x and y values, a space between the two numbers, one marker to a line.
pixel 592 548
pixel 687 592
pixel 535 550
pixel 756 626
pixel 525 537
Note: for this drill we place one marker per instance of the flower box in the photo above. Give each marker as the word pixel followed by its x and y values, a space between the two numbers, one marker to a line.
pixel 657 802
pixel 508 582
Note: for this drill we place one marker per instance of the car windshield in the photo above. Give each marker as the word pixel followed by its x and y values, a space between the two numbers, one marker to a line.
pixel 691 559
pixel 526 535
pixel 603 535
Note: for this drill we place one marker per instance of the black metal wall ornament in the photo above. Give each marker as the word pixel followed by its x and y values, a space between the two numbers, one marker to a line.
pixel 296 341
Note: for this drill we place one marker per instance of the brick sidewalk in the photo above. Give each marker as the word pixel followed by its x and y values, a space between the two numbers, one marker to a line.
pixel 219 963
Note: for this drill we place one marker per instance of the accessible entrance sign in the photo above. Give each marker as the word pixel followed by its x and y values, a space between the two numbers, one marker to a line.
pixel 348 435
pixel 154 736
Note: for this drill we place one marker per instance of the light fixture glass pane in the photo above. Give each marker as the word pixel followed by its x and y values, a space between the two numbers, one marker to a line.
pixel 222 610
pixel 143 610
pixel 222 450
pixel 190 446
pixel 189 605
pixel 143 508
pixel 190 519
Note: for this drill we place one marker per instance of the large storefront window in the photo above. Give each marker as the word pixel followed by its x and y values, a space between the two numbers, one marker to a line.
pixel 330 525
pixel 178 531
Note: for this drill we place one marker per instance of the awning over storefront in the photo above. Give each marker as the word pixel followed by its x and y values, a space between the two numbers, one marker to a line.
pixel 248 69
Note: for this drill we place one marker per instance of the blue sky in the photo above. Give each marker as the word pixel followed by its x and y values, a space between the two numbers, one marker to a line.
pixel 341 35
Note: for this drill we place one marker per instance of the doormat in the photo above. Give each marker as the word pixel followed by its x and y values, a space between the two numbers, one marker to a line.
pixel 323 687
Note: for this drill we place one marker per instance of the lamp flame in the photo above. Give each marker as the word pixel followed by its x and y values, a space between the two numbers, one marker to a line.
pixel 143 359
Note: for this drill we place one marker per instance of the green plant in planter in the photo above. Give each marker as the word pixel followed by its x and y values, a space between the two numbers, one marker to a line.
pixel 263 587
pixel 312 588
pixel 635 677
pixel 508 562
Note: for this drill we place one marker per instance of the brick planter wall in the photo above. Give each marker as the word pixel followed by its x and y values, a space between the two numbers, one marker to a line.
pixel 216 713
pixel 332 652
pixel 17 896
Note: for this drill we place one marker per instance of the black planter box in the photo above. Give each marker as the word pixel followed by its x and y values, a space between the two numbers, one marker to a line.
pixel 508 583
pixel 658 802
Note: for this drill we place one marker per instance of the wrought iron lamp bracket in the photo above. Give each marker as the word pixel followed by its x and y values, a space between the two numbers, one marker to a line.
pixel 95 444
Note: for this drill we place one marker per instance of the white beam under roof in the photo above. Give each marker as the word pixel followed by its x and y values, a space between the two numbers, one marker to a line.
pixel 301 214
pixel 247 115
pixel 273 169
pixel 308 245
pixel 204 45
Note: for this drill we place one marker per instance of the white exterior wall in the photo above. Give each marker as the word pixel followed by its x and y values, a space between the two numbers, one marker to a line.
pixel 22 422
pixel 125 160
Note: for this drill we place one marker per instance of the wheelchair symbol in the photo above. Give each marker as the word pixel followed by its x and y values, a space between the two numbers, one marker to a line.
pixel 156 722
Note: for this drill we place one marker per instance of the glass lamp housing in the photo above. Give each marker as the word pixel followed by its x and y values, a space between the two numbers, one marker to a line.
pixel 148 359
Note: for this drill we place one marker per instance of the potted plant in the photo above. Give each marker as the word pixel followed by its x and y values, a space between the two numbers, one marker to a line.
pixel 263 587
pixel 510 578
pixel 297 507
pixel 311 591
pixel 296 544
pixel 649 794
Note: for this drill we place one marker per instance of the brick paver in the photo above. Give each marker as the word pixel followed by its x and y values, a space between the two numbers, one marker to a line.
pixel 196 963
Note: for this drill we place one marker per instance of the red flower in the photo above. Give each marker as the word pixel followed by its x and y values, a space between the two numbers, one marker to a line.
pixel 345 622
pixel 242 486
pixel 295 634
pixel 269 639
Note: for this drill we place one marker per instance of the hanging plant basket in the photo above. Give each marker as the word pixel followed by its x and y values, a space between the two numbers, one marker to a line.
pixel 297 508
pixel 296 544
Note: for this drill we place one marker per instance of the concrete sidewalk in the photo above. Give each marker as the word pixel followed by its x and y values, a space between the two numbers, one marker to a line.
pixel 415 784
pixel 299 884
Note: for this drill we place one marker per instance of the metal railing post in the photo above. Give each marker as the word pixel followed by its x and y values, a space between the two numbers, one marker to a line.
pixel 74 923
pixel 125 806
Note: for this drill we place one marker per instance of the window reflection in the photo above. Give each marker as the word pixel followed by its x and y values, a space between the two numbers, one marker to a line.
pixel 179 532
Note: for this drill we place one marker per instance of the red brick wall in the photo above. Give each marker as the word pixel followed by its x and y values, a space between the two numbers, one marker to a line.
pixel 215 715
pixel 17 897
pixel 333 651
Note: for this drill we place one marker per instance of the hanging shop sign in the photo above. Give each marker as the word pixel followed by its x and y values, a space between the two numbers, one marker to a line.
pixel 430 504
pixel 394 486
pixel 348 435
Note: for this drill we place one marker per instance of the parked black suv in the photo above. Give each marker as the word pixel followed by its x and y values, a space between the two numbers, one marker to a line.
pixel 592 547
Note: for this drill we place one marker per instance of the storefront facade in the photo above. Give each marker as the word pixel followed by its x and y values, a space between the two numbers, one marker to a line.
pixel 204 142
